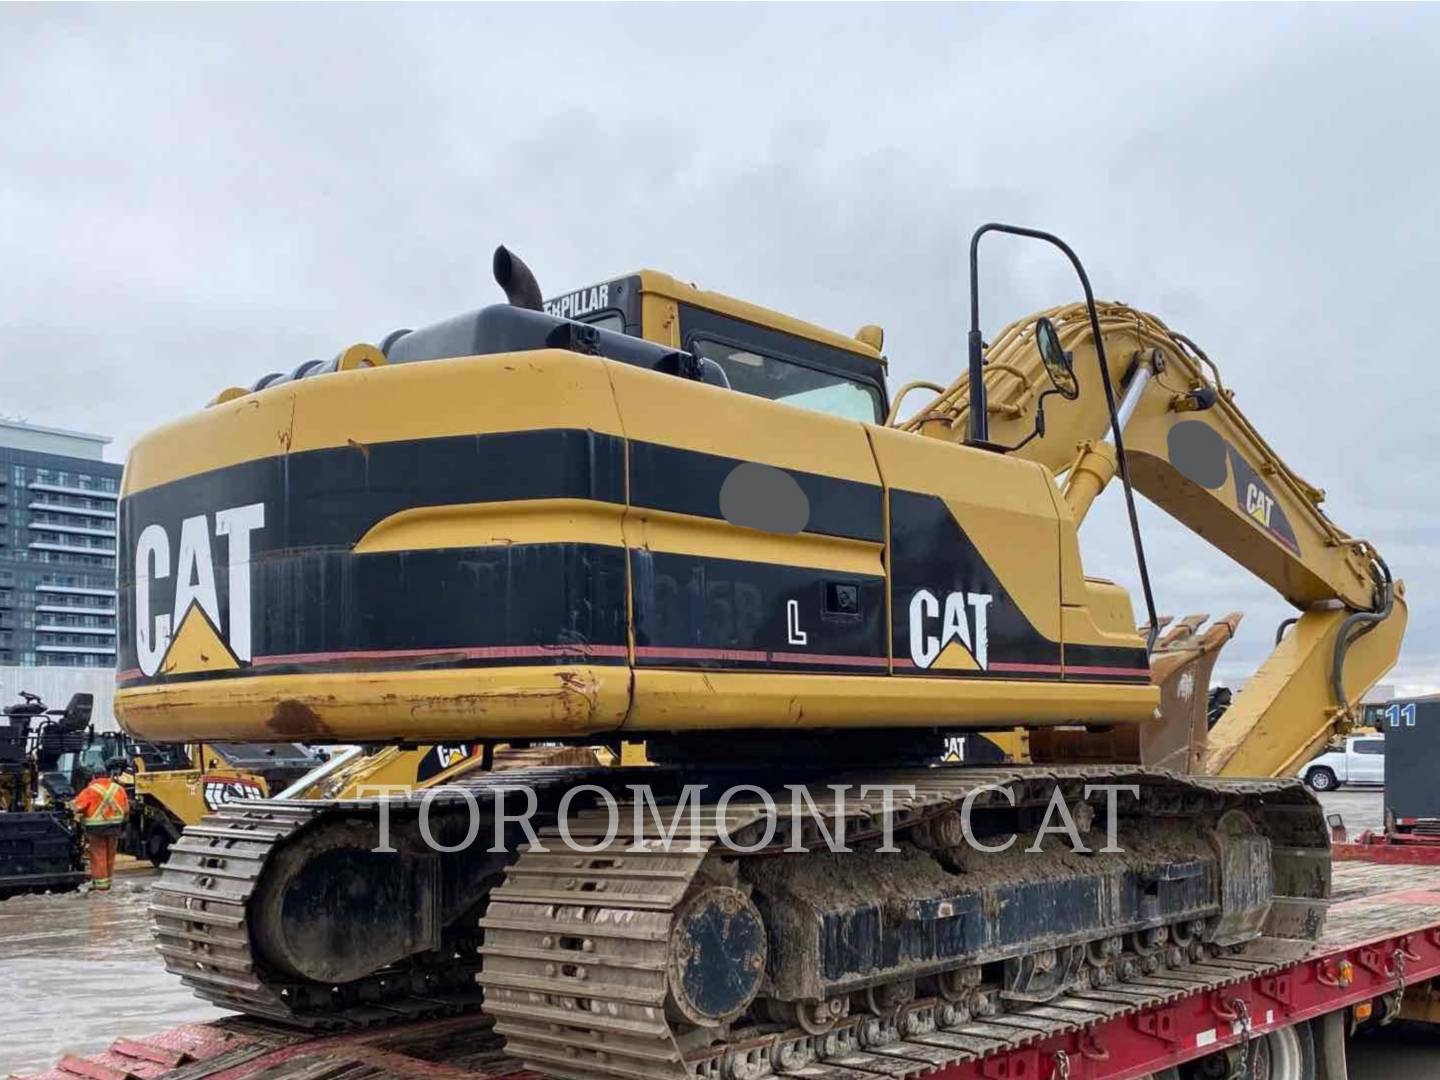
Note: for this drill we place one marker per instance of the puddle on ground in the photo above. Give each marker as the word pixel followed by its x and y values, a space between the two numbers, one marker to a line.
pixel 80 970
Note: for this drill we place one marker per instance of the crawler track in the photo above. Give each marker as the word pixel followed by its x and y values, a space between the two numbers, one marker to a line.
pixel 576 959
pixel 581 976
pixel 928 1034
pixel 206 907
pixel 202 928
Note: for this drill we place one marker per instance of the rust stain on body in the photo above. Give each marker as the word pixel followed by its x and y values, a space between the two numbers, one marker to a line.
pixel 294 720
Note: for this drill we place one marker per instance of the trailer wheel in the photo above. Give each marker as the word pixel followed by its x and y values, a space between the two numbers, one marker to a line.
pixel 1285 1054
pixel 1322 779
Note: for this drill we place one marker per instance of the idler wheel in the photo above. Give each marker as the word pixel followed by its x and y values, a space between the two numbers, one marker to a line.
pixel 717 956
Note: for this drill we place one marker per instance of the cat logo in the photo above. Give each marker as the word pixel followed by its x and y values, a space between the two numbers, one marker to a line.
pixel 444 756
pixel 1258 504
pixel 453 755
pixel 953 635
pixel 219 792
pixel 187 638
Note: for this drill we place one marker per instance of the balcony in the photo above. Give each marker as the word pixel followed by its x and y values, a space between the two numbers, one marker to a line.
pixel 74 549
pixel 74 590
pixel 61 489
pixel 79 650
pixel 93 631
pixel 77 530
pixel 60 508
pixel 65 609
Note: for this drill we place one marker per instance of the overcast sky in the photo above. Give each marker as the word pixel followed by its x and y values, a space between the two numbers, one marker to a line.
pixel 194 196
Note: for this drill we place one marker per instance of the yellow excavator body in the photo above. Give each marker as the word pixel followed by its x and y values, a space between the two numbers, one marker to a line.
pixel 568 546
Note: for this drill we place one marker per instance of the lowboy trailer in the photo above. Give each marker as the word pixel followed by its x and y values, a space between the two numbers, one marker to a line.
pixel 1376 957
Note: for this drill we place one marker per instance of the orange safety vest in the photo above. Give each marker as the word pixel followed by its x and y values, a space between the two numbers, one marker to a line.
pixel 103 802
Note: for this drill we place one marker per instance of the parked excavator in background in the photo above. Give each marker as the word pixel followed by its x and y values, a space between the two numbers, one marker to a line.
pixel 643 511
pixel 173 786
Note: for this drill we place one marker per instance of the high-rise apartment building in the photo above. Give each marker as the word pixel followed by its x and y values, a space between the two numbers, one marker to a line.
pixel 57 548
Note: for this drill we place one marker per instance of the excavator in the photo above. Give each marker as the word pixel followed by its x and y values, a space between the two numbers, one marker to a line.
pixel 646 512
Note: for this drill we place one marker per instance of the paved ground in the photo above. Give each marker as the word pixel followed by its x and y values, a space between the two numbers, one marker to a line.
pixel 1361 808
pixel 79 970
pixel 1403 1051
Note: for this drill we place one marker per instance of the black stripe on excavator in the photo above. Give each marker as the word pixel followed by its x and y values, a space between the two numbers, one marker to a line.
pixel 953 617
pixel 332 497
pixel 561 601
pixel 689 482
pixel 454 607
pixel 696 611
pixel 1256 500
pixel 1106 663
pixel 930 553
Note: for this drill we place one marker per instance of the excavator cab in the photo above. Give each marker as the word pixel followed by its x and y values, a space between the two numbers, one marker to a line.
pixel 761 352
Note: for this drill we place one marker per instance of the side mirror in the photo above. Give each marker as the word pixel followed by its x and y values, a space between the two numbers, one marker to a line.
pixel 1059 364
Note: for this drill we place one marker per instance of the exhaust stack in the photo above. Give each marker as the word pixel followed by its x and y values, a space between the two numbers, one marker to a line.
pixel 512 275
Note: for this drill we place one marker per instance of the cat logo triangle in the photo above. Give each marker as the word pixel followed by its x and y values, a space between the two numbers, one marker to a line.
pixel 197 646
pixel 955 657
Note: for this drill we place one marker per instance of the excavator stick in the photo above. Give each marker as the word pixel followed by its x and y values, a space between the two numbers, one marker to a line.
pixel 1287 710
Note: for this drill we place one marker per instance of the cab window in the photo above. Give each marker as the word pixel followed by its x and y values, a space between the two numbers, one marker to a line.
pixel 765 376
pixel 1369 746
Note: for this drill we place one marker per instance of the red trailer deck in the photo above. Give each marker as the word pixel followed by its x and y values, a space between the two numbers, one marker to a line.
pixel 1382 935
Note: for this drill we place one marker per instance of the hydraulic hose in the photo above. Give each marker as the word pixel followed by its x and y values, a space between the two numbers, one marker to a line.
pixel 1365 621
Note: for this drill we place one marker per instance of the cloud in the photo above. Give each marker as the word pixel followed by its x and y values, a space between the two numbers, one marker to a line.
pixel 196 196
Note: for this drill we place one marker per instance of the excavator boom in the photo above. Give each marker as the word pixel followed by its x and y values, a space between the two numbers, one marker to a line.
pixel 1193 453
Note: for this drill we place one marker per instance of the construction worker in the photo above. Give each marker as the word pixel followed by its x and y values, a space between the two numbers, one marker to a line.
pixel 103 808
